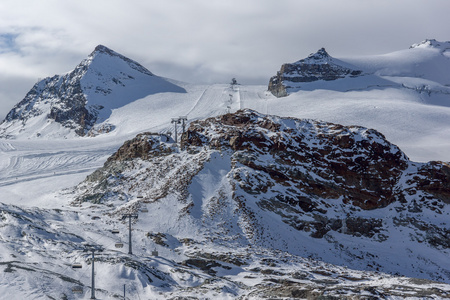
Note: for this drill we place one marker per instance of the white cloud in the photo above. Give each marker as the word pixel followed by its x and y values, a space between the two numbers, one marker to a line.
pixel 204 41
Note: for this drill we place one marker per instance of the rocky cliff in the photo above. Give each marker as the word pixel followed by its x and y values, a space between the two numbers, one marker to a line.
pixel 307 187
pixel 317 66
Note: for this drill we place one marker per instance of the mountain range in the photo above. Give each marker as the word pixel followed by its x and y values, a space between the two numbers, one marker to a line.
pixel 332 182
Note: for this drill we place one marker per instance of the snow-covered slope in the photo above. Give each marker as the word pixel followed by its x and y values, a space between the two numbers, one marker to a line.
pixel 403 95
pixel 40 246
pixel 218 218
pixel 423 68
pixel 286 184
pixel 428 60
pixel 73 103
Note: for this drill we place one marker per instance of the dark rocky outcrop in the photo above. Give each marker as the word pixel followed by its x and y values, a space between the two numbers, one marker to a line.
pixel 322 160
pixel 313 160
pixel 317 66
pixel 341 184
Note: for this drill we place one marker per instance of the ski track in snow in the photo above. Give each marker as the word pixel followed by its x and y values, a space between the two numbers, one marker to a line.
pixel 6 147
pixel 212 102
pixel 197 102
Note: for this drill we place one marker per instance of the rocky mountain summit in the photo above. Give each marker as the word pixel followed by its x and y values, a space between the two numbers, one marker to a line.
pixel 84 97
pixel 341 194
pixel 432 43
pixel 422 69
pixel 317 66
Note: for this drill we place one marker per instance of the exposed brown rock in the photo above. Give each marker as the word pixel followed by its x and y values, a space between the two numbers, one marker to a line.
pixel 435 180
pixel 316 160
pixel 363 171
pixel 139 147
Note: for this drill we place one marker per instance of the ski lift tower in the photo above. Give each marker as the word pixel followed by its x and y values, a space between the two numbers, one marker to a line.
pixel 233 82
pixel 129 216
pixel 93 249
pixel 183 120
pixel 176 121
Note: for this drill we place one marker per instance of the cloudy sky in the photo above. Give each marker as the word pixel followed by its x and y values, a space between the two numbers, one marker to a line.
pixel 203 41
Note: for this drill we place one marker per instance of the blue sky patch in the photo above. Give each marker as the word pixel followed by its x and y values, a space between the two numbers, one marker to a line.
pixel 8 42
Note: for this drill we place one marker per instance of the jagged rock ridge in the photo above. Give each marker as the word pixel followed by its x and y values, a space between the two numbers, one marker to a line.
pixel 277 182
pixel 317 66
pixel 85 96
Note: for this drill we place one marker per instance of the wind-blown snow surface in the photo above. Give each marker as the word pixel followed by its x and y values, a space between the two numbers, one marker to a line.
pixel 412 112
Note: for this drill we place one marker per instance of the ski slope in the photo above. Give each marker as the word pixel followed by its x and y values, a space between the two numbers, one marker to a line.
pixel 420 129
pixel 404 116
pixel 36 174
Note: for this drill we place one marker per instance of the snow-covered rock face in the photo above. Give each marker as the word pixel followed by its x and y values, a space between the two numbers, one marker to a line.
pixel 422 68
pixel 300 186
pixel 317 66
pixel 73 103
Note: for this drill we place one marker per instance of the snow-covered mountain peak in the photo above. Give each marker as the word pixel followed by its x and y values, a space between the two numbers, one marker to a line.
pixel 73 103
pixel 316 67
pixel 104 49
pixel 422 68
pixel 104 53
pixel 432 43
pixel 321 56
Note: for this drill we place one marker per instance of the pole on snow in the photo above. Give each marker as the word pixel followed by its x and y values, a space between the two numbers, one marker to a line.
pixel 129 216
pixel 93 277
pixel 176 121
pixel 93 249
pixel 182 120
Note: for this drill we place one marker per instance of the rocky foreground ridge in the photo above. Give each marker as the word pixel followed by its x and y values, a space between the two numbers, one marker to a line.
pixel 342 194
pixel 317 66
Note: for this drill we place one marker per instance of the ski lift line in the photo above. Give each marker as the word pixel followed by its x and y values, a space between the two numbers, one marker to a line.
pixel 84 270
pixel 70 266
pixel 75 266
pixel 95 242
